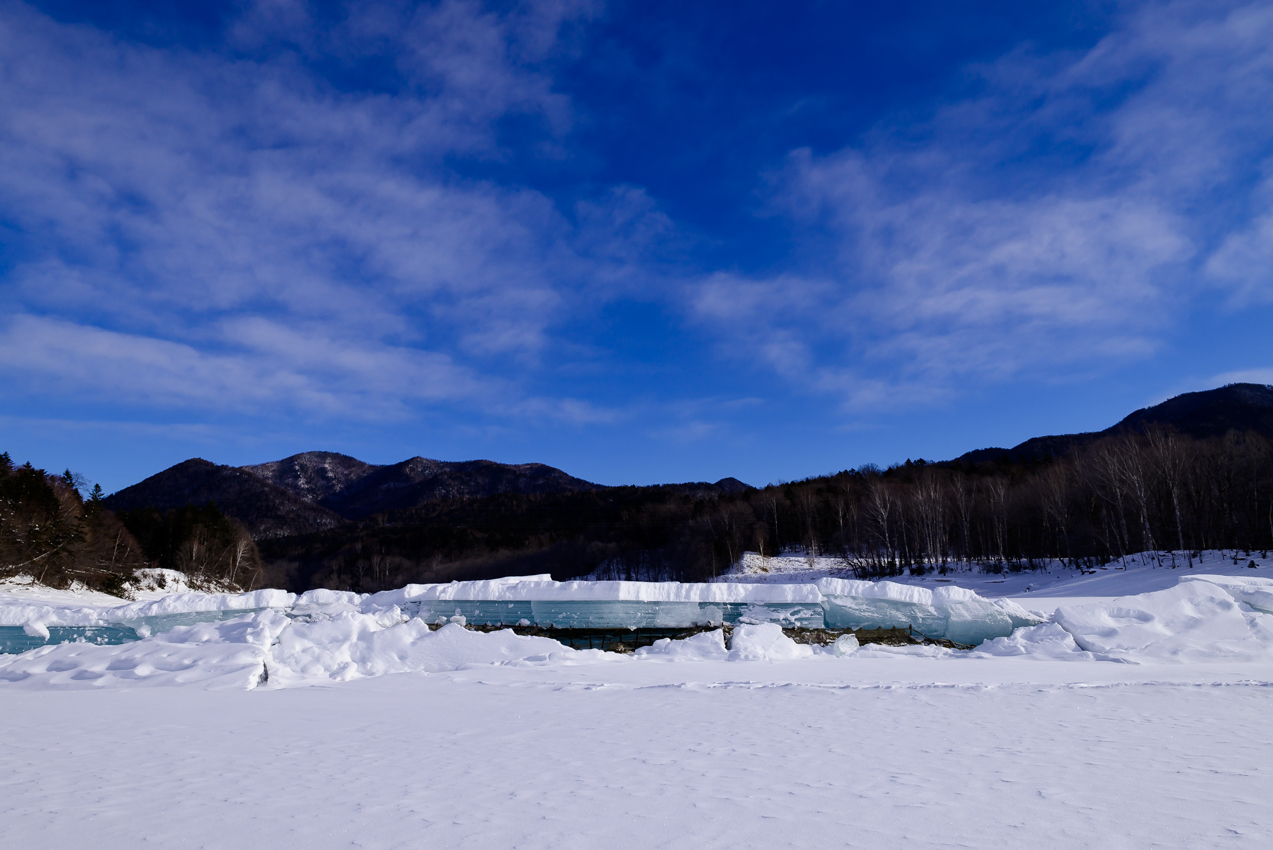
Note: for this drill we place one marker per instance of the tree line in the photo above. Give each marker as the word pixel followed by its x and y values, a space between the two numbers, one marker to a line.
pixel 51 531
pixel 200 541
pixel 1151 491
pixel 1136 492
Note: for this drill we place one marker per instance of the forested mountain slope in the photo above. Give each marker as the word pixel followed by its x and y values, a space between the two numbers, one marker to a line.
pixel 312 475
pixel 419 480
pixel 266 509
pixel 1211 413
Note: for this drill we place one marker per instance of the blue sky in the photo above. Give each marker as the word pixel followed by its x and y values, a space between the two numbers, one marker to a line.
pixel 641 242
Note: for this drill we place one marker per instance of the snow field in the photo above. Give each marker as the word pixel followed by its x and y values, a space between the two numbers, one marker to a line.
pixel 541 758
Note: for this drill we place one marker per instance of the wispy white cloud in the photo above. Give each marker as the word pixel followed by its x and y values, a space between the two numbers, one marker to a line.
pixel 1243 264
pixel 1063 217
pixel 265 364
pixel 228 226
pixel 205 226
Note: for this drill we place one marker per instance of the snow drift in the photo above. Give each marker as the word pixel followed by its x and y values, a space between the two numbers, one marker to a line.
pixel 952 613
pixel 277 639
pixel 1204 617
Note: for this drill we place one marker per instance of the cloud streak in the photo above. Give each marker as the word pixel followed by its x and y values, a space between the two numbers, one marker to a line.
pixel 201 221
pixel 1061 219
pixel 261 225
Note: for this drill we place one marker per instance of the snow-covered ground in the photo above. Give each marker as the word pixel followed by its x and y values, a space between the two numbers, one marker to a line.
pixel 147 585
pixel 1134 722
pixel 1040 590
pixel 906 752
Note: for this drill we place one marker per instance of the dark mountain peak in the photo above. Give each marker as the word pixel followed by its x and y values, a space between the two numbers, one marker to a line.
pixel 191 465
pixel 732 485
pixel 705 490
pixel 175 481
pixel 312 475
pixel 316 490
pixel 986 455
pixel 417 466
pixel 1209 413
pixel 418 480
pixel 266 510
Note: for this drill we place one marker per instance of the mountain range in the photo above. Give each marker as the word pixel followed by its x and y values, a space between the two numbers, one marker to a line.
pixel 266 509
pixel 317 491
pixel 313 491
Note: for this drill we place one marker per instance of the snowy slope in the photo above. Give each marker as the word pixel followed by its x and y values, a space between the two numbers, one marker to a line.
pixel 1038 590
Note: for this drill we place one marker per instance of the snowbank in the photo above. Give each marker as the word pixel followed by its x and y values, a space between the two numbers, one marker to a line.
pixel 953 613
pixel 22 613
pixel 39 616
pixel 605 604
pixel 949 612
pixel 1048 641
pixel 268 647
pixel 201 603
pixel 1195 620
pixel 765 642
pixel 544 589
pixel 227 654
pixel 1249 590
pixel 277 639
pixel 704 646
pixel 351 646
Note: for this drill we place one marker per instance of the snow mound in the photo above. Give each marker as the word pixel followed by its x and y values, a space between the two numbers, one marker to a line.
pixel 765 642
pixel 331 597
pixel 352 646
pixel 1046 641
pixel 704 646
pixel 156 580
pixel 201 603
pixel 1255 592
pixel 226 654
pixel 1195 620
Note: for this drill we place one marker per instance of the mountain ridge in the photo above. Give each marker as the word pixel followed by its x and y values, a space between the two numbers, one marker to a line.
pixel 1202 414
pixel 321 490
pixel 265 509
pixel 312 475
pixel 418 480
